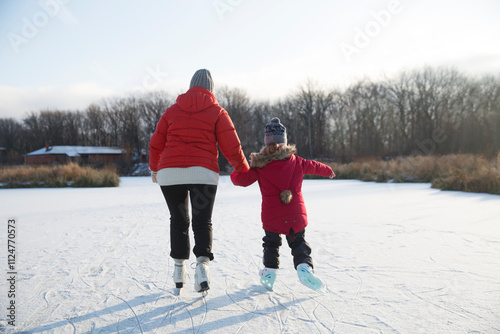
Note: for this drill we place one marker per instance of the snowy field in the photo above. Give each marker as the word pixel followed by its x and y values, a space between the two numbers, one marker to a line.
pixel 397 258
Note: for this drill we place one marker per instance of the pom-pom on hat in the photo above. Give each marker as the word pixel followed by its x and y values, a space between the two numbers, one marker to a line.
pixel 275 132
pixel 202 78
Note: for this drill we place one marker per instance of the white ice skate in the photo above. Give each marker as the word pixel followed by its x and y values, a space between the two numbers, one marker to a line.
pixel 307 277
pixel 180 273
pixel 267 277
pixel 202 274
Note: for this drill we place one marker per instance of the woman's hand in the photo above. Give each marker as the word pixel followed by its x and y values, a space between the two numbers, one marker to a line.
pixel 332 175
pixel 154 177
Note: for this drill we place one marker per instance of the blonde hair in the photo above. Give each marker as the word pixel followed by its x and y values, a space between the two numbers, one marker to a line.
pixel 270 149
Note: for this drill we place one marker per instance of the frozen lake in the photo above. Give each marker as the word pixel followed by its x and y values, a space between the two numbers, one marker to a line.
pixel 397 258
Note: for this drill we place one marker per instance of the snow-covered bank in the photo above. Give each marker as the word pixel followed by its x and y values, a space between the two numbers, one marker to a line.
pixel 397 258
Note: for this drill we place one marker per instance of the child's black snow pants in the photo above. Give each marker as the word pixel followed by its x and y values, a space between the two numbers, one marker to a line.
pixel 301 250
pixel 202 198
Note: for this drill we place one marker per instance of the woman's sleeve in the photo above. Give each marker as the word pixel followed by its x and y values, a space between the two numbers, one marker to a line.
pixel 157 144
pixel 229 143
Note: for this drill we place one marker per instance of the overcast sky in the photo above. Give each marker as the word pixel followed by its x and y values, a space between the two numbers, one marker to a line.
pixel 66 54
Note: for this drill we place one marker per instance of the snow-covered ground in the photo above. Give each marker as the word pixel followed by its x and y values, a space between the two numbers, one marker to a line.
pixel 397 258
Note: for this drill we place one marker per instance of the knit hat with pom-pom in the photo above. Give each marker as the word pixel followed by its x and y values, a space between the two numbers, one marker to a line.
pixel 275 132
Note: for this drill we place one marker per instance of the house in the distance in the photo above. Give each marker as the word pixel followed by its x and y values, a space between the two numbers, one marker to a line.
pixel 78 154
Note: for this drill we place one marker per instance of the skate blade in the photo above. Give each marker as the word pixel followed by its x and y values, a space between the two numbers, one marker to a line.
pixel 203 287
pixel 316 286
pixel 265 285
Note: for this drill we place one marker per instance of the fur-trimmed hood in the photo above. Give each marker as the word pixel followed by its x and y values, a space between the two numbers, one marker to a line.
pixel 260 160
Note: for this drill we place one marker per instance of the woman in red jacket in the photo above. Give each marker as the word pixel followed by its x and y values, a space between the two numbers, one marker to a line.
pixel 280 173
pixel 183 159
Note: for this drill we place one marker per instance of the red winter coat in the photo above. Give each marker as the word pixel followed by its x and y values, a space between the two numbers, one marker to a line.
pixel 189 131
pixel 275 173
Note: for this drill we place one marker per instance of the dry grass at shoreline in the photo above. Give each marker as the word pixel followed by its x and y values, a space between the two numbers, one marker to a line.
pixel 70 175
pixel 464 172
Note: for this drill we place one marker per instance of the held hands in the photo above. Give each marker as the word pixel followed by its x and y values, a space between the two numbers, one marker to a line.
pixel 154 177
pixel 332 175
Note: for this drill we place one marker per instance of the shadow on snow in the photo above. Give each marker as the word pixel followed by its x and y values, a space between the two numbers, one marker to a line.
pixel 156 317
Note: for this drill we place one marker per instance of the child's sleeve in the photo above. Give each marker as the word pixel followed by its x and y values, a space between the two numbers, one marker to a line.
pixel 316 168
pixel 244 179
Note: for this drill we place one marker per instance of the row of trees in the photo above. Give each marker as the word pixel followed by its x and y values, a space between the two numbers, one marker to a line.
pixel 429 111
pixel 120 122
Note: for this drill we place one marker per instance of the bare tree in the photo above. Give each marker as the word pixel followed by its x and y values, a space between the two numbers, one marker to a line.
pixel 312 107
pixel 151 107
pixel 11 140
pixel 94 130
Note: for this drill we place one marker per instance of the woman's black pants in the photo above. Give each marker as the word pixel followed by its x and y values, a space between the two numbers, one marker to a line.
pixel 202 198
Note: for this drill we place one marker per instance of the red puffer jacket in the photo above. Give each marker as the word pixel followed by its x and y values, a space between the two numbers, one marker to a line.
pixel 189 131
pixel 278 172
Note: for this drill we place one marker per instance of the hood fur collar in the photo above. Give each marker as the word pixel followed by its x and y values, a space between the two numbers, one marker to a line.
pixel 260 160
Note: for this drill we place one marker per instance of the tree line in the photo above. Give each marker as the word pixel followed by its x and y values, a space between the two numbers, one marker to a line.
pixel 426 111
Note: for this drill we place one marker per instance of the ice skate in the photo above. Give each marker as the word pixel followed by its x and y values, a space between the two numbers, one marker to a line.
pixel 307 277
pixel 202 274
pixel 267 277
pixel 180 273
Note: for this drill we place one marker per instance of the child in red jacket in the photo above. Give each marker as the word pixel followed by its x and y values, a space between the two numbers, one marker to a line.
pixel 279 173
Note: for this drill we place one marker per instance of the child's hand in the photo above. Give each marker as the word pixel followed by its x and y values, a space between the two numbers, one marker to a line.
pixel 332 175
